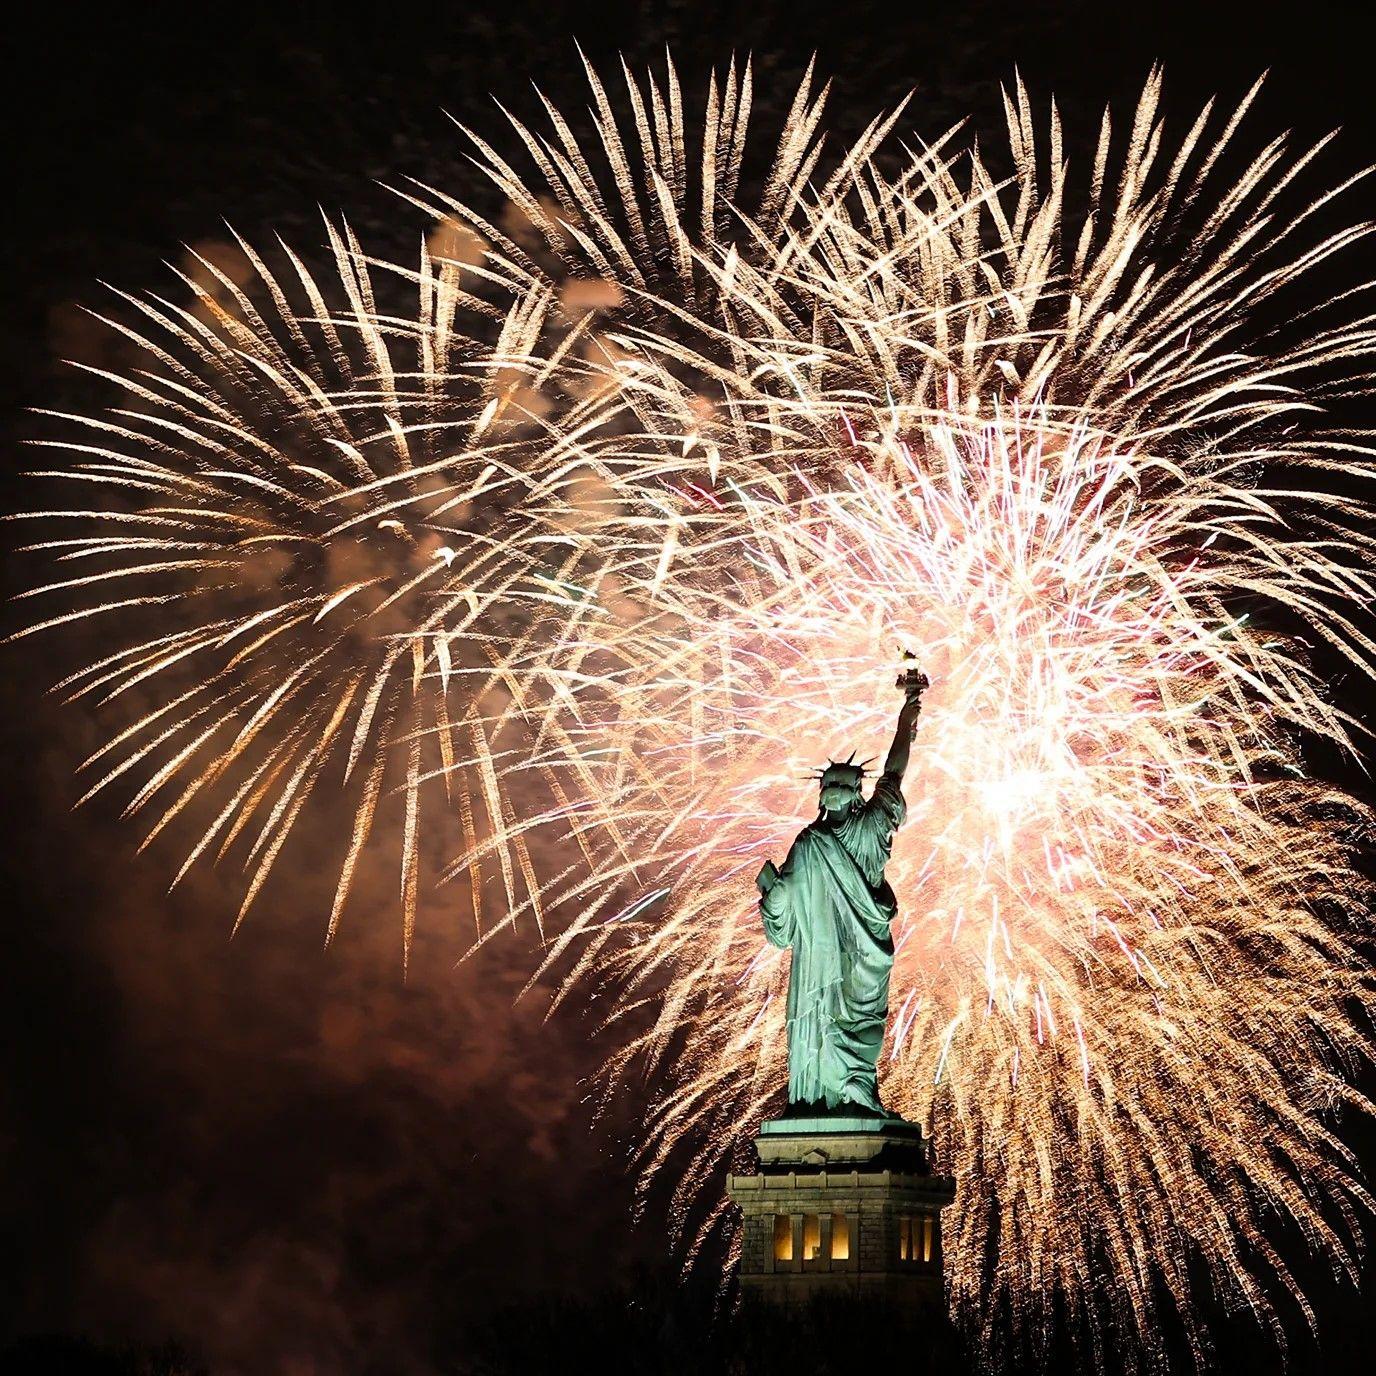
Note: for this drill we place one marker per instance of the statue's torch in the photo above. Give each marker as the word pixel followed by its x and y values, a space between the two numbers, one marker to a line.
pixel 912 680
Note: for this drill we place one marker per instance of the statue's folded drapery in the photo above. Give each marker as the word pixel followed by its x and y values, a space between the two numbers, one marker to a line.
pixel 833 907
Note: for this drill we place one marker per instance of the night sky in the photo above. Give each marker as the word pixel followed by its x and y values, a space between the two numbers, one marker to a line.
pixel 285 1158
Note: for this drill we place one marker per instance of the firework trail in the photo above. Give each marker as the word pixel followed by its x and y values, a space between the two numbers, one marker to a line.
pixel 615 539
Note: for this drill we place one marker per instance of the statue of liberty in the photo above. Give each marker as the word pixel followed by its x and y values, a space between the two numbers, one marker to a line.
pixel 831 905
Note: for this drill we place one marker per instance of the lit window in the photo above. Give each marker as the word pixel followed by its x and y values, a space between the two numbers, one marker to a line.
pixel 840 1238
pixel 812 1236
pixel 927 1231
pixel 783 1237
pixel 905 1248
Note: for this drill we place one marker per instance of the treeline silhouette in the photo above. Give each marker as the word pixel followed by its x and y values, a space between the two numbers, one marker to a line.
pixel 656 1328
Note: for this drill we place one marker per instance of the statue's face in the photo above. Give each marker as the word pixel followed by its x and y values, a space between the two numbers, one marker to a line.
pixel 841 787
pixel 839 797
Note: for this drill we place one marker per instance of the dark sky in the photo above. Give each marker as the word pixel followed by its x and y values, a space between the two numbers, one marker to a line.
pixel 282 1155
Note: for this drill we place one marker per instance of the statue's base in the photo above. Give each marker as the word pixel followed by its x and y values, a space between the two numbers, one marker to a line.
pixel 844 1203
pixel 835 1137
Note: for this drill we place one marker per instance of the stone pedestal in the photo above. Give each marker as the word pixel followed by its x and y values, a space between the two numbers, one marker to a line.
pixel 841 1205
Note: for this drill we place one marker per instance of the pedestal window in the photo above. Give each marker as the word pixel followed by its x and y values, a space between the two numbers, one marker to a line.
pixel 783 1237
pixel 840 1238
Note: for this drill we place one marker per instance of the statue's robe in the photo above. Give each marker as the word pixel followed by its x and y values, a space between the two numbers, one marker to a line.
pixel 831 904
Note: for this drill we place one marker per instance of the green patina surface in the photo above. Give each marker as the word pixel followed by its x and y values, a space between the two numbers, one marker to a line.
pixel 838 1123
pixel 830 905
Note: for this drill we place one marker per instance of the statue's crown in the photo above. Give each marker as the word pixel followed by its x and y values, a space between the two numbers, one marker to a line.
pixel 843 772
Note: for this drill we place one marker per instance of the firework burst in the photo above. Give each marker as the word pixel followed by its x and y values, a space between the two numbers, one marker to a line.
pixel 1061 455
pixel 1131 937
pixel 296 543
pixel 324 531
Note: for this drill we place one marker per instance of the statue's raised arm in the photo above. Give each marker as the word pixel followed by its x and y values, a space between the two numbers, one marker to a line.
pixel 913 683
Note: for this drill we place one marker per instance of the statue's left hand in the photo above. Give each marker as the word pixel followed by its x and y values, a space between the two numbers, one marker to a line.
pixel 767 877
